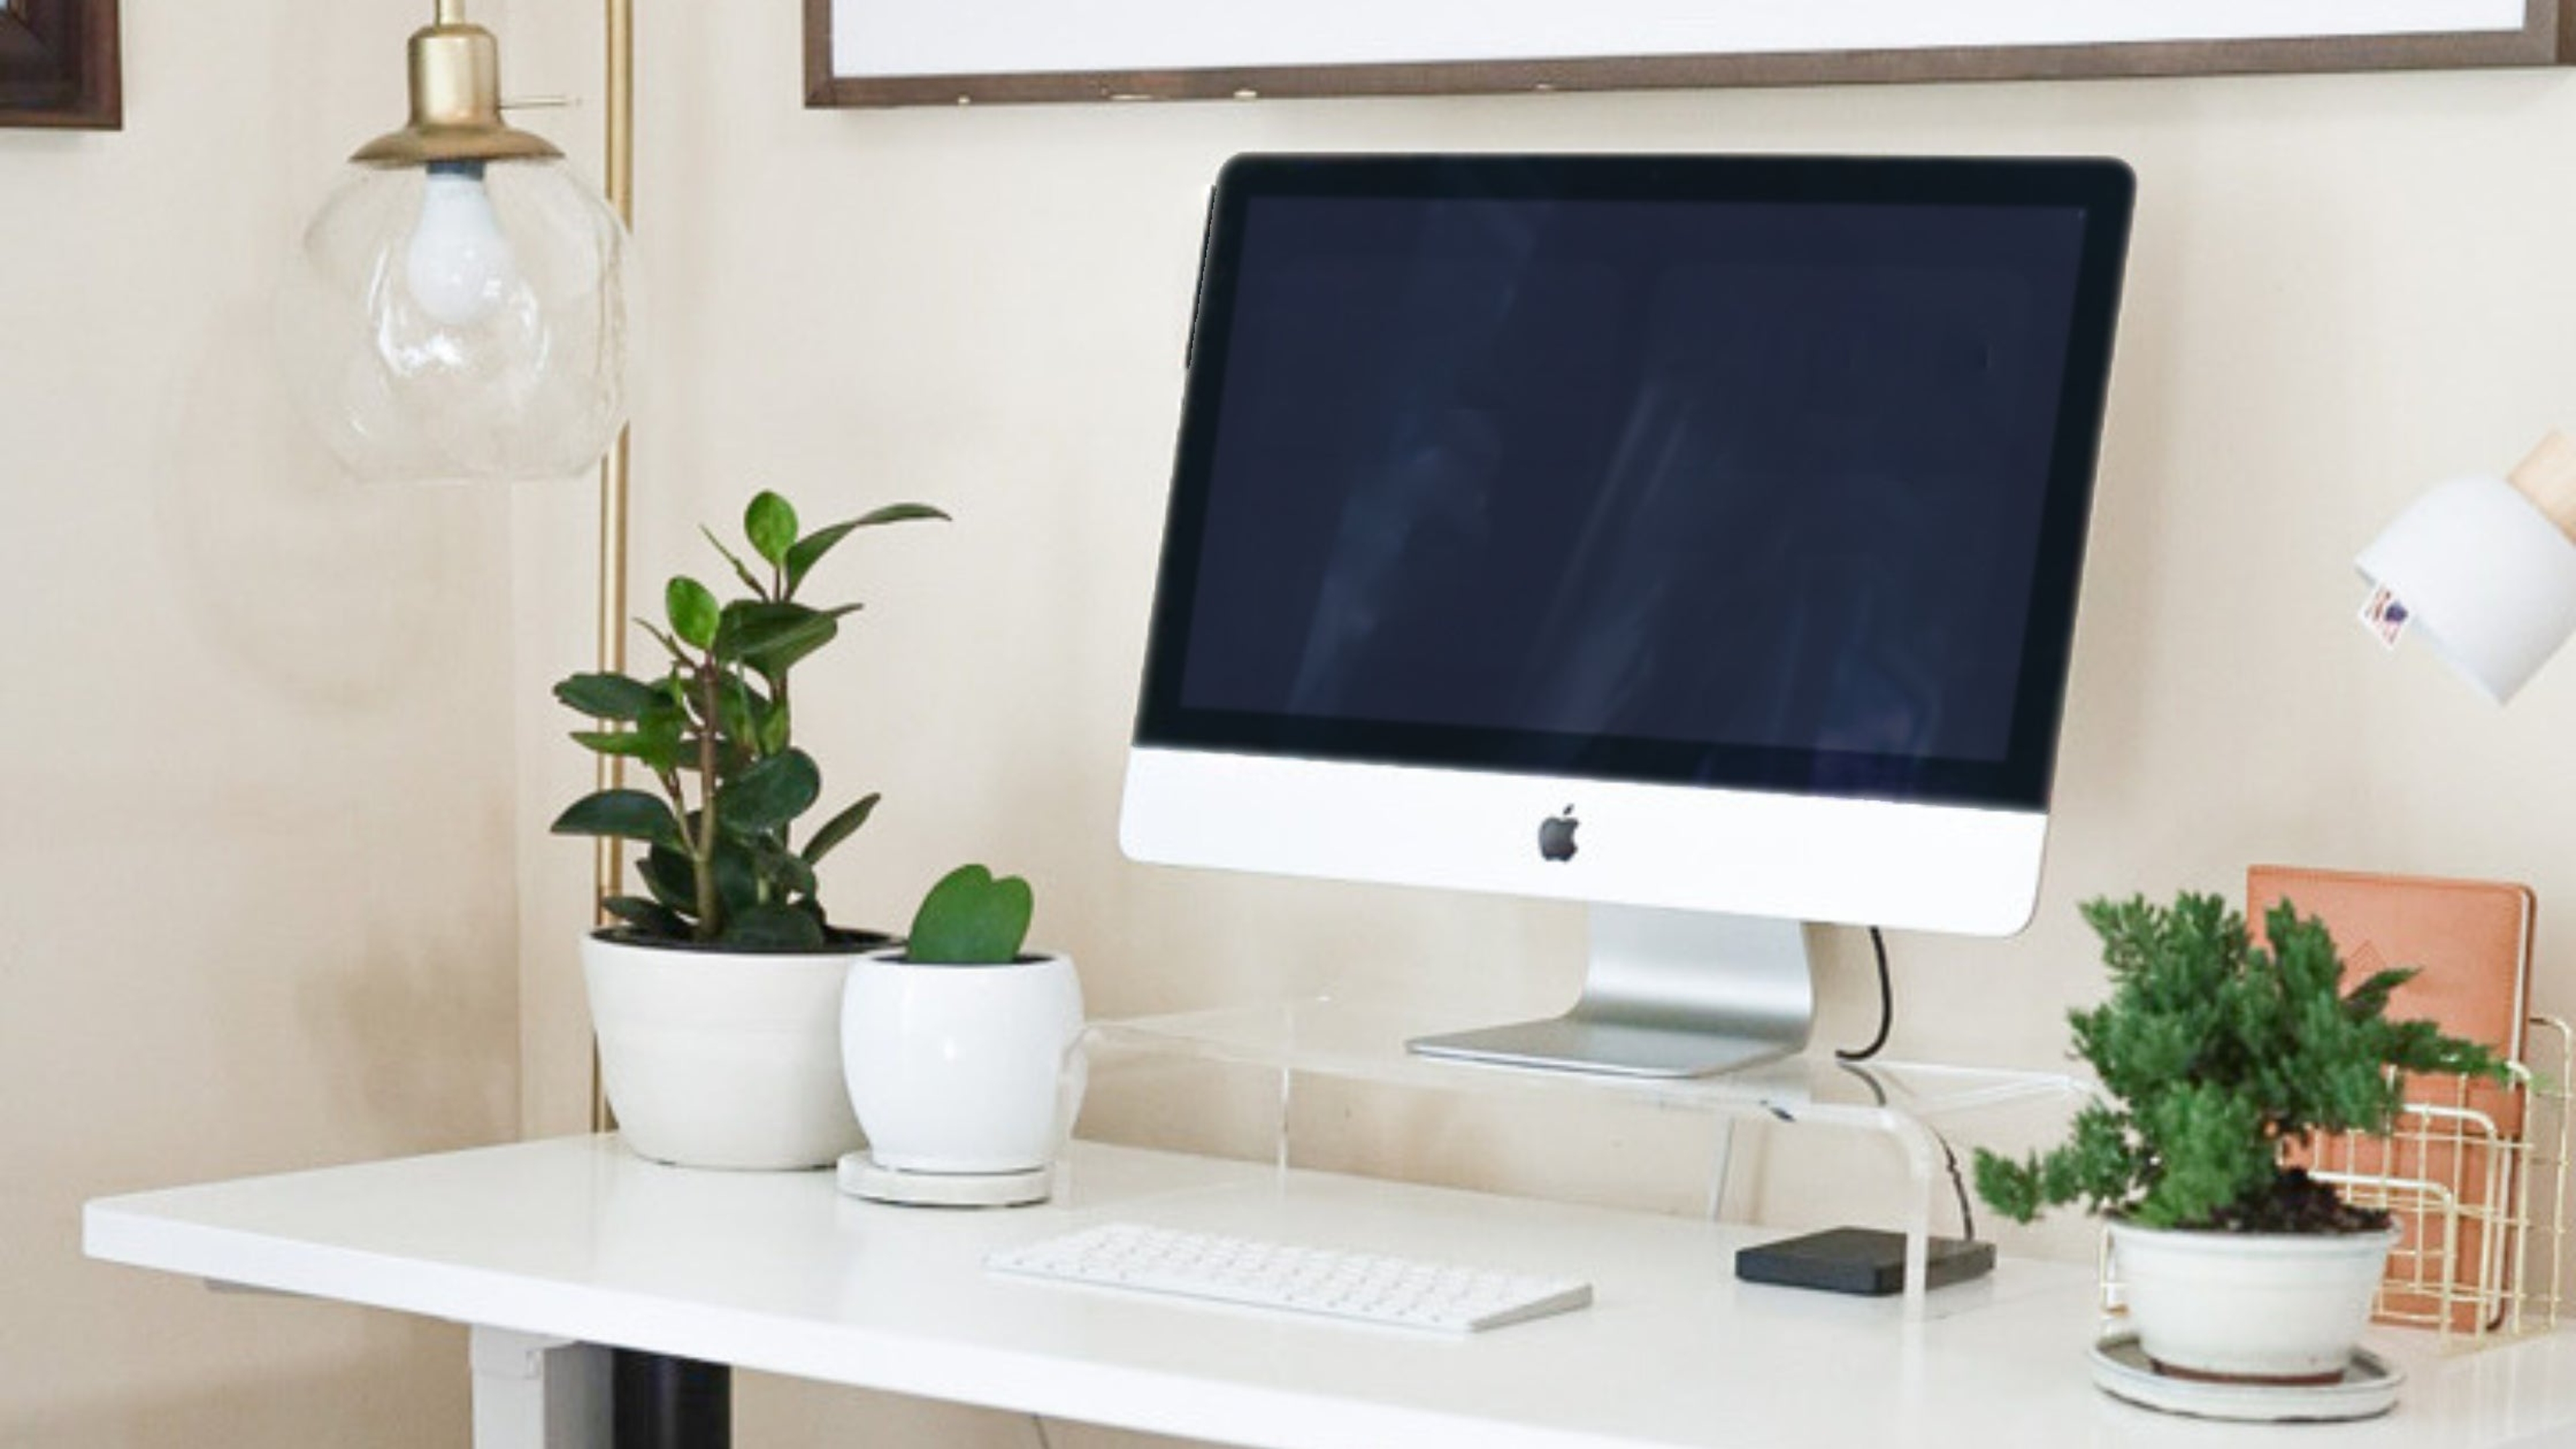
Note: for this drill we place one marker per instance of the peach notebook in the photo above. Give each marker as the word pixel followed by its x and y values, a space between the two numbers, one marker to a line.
pixel 2472 943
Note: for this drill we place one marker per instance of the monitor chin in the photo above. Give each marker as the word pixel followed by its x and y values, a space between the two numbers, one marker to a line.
pixel 1960 869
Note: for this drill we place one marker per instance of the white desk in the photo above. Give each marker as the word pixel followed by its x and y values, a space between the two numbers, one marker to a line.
pixel 576 1241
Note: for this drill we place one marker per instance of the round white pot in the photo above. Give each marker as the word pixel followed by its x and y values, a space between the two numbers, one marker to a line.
pixel 2249 1305
pixel 963 1069
pixel 720 1058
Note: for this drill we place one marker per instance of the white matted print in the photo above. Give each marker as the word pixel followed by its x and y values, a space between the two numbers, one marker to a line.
pixel 899 38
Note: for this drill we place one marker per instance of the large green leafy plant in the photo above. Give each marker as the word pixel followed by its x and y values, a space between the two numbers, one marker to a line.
pixel 2220 1053
pixel 716 731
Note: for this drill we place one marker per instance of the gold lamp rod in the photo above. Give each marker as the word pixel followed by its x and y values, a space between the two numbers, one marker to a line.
pixel 608 864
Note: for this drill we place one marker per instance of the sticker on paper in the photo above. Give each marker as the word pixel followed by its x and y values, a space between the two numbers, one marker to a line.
pixel 2385 616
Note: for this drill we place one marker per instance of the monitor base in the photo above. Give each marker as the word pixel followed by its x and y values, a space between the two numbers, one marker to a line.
pixel 1670 994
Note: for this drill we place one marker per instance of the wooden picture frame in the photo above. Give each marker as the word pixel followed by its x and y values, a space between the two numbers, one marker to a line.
pixel 59 64
pixel 2541 38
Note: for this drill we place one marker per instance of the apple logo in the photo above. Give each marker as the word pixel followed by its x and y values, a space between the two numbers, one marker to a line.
pixel 1556 836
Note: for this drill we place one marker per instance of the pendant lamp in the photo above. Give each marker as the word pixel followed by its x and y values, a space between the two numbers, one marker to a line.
pixel 458 310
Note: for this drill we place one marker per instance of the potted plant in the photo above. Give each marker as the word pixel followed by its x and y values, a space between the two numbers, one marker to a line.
pixel 959 1045
pixel 716 995
pixel 2217 1055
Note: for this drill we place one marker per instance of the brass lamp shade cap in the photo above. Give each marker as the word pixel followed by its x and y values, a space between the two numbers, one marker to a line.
pixel 455 105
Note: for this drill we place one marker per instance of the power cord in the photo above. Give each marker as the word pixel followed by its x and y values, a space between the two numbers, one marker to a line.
pixel 1886 1012
pixel 1949 1154
pixel 1958 1184
pixel 1886 1021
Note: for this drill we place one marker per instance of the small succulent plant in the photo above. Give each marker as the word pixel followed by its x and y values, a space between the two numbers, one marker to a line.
pixel 971 919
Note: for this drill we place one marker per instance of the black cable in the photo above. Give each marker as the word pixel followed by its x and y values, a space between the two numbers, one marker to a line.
pixel 1958 1179
pixel 1886 1007
pixel 1886 1022
pixel 1958 1184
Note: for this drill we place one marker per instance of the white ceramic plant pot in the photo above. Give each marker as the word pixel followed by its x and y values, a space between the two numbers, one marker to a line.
pixel 720 1058
pixel 963 1069
pixel 2249 1305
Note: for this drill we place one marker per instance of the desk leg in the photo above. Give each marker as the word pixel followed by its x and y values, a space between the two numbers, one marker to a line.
pixel 532 1392
pixel 672 1403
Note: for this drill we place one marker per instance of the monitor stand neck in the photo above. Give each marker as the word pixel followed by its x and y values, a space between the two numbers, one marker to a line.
pixel 1669 994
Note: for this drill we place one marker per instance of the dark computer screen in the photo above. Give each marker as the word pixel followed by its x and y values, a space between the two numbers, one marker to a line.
pixel 1659 474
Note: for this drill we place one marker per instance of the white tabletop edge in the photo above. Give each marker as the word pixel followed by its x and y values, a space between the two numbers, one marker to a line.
pixel 490 1237
pixel 127 1230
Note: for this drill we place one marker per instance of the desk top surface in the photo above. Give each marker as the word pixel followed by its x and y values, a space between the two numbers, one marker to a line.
pixel 778 1272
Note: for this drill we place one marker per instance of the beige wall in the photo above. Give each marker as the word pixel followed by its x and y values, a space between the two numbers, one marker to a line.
pixel 258 911
pixel 271 821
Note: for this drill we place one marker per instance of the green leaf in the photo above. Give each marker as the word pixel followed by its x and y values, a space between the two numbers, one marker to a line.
pixel 608 696
pixel 769 794
pixel 773 928
pixel 839 828
pixel 622 814
pixel 770 524
pixel 743 714
pixel 810 549
pixel 650 918
pixel 971 919
pixel 672 878
pixel 783 871
pixel 772 637
pixel 692 609
pixel 737 881
pixel 658 750
pixel 731 759
pixel 741 570
pixel 2009 1187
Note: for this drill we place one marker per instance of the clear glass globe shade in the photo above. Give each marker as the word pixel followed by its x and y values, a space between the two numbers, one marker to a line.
pixel 464 322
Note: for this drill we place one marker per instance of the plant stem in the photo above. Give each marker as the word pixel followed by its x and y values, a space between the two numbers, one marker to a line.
pixel 703 849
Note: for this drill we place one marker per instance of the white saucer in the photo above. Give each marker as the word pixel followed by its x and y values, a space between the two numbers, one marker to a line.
pixel 860 1176
pixel 2369 1386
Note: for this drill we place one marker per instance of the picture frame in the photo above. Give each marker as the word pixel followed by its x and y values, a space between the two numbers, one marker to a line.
pixel 60 65
pixel 948 52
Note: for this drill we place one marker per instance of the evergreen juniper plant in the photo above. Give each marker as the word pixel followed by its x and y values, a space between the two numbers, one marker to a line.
pixel 716 731
pixel 2220 1054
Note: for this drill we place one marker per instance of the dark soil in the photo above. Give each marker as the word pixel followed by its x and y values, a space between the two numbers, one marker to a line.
pixel 2297 1203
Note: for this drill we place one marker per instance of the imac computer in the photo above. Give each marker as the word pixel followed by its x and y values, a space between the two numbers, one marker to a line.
pixel 1693 536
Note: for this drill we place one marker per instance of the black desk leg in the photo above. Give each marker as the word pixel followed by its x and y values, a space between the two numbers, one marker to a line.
pixel 671 1403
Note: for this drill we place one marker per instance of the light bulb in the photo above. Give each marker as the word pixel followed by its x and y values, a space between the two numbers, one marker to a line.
pixel 531 387
pixel 459 264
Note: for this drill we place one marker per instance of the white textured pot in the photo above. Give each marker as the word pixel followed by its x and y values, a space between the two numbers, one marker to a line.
pixel 963 1069
pixel 721 1058
pixel 2249 1305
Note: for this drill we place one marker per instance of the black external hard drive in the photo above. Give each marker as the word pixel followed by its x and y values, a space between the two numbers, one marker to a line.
pixel 1859 1260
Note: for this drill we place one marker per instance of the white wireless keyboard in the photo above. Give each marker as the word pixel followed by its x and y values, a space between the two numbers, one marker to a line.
pixel 1396 1292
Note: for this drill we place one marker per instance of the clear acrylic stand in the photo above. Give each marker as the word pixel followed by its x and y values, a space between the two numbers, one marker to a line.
pixel 1362 1042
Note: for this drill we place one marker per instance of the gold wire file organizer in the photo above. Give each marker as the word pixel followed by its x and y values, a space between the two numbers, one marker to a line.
pixel 2476 1177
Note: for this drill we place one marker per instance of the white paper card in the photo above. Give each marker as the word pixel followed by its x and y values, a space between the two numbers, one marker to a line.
pixel 887 38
